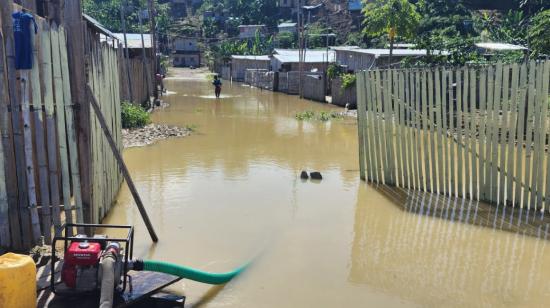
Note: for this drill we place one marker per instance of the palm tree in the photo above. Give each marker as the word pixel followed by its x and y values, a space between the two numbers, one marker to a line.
pixel 391 17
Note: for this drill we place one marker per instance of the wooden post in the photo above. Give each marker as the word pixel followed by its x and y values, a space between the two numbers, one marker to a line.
pixel 77 69
pixel 126 55
pixel 154 67
pixel 145 62
pixel 5 147
pixel 122 165
pixel 7 28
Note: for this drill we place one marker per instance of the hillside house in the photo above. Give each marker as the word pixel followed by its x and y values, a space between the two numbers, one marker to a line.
pixel 249 31
pixel 186 53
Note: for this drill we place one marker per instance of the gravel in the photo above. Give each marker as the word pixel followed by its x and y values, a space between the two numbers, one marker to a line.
pixel 151 134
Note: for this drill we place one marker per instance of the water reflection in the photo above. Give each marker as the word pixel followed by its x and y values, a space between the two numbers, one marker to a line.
pixel 451 252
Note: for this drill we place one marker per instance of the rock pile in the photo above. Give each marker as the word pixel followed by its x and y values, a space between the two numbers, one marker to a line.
pixel 151 134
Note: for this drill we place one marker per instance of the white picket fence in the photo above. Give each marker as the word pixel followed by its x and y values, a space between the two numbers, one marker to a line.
pixel 478 133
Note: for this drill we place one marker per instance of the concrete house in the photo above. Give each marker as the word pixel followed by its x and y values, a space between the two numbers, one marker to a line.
pixel 186 53
pixel 249 31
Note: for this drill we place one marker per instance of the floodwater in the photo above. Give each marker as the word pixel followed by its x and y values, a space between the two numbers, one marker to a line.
pixel 231 193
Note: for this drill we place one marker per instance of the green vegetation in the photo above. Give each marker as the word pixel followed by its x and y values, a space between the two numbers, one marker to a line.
pixel 348 81
pixel 305 115
pixel 191 127
pixel 322 116
pixel 134 116
pixel 539 33
pixel 396 18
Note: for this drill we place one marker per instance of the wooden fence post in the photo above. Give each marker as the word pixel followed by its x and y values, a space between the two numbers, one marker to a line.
pixel 75 28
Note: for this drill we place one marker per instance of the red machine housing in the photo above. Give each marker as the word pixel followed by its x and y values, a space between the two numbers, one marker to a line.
pixel 80 258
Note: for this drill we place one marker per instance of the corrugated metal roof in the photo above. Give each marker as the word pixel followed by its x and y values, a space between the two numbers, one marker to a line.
pixel 287 25
pixel 251 26
pixel 257 58
pixel 344 47
pixel 312 56
pixel 97 25
pixel 134 40
pixel 396 52
pixel 500 46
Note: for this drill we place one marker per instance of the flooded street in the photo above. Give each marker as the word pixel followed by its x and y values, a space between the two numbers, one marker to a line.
pixel 231 193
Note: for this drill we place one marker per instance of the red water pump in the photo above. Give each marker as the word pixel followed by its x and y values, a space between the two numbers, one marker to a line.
pixel 86 258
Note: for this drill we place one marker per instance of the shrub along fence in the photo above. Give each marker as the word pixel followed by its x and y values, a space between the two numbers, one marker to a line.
pixel 477 133
pixel 46 176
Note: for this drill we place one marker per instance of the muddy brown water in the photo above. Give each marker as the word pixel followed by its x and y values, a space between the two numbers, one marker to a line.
pixel 231 193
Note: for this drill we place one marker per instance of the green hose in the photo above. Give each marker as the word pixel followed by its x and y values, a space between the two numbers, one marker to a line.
pixel 191 273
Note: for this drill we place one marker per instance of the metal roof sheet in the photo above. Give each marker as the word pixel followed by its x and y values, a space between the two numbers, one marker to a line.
pixel 396 52
pixel 500 46
pixel 134 40
pixel 312 56
pixel 257 58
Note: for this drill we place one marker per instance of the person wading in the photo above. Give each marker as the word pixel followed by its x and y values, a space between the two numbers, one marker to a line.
pixel 217 86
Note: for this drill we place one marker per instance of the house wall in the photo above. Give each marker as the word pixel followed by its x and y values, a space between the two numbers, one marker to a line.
pixel 186 60
pixel 239 67
pixel 250 31
pixel 278 66
pixel 353 60
pixel 183 44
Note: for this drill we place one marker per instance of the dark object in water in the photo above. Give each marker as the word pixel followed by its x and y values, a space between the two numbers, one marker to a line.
pixel 304 175
pixel 316 175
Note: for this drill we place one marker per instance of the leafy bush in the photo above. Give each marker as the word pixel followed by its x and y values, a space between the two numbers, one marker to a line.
pixel 134 116
pixel 348 81
pixel 322 116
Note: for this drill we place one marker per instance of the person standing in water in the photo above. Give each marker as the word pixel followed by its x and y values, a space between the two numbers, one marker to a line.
pixel 217 86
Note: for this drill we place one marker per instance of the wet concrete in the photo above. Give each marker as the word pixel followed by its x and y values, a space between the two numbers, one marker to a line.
pixel 232 192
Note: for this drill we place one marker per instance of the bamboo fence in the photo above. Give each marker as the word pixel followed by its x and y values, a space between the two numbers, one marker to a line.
pixel 41 152
pixel 476 133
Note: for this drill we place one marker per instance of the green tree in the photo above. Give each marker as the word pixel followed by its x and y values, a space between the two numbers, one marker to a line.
pixel 539 33
pixel 391 17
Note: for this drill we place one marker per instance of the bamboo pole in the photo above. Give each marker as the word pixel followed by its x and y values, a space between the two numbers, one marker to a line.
pixel 122 165
pixel 46 64
pixel 19 150
pixel 39 137
pixel 361 119
pixel 60 120
pixel 5 238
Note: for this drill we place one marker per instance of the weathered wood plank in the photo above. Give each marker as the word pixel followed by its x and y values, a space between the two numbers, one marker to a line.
pixel 372 122
pixel 484 116
pixel 513 137
pixel 425 141
pixel 496 134
pixel 473 134
pixel 361 119
pixel 432 133
pixel 543 101
pixel 70 126
pixel 439 126
pixel 522 96
pixel 529 133
pixel 447 155
pixel 504 132
pixel 459 135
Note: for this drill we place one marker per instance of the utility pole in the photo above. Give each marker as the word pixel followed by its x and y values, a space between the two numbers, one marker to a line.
pixel 154 65
pixel 126 55
pixel 301 47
